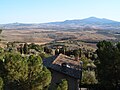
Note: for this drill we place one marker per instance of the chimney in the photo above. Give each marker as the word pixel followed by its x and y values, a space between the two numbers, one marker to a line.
pixel 64 65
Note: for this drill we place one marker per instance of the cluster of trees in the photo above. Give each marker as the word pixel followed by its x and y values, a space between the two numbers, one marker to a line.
pixel 107 69
pixel 36 47
pixel 76 52
pixel 23 73
pixel 23 48
pixel 27 49
pixel 108 65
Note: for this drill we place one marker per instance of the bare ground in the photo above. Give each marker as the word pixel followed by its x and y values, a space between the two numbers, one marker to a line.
pixel 41 36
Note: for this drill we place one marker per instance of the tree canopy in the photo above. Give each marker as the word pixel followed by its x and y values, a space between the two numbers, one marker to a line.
pixel 108 66
pixel 1 83
pixel 63 85
pixel 24 73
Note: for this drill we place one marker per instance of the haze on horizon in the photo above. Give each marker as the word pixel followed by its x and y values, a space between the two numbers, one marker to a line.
pixel 41 11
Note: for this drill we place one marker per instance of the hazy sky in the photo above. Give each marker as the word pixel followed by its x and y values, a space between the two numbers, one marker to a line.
pixel 40 11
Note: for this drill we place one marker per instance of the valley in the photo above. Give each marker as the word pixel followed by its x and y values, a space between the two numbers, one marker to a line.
pixel 43 36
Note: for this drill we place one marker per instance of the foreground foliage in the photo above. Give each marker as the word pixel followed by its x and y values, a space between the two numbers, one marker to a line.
pixel 23 73
pixel 1 84
pixel 108 66
pixel 88 77
pixel 63 85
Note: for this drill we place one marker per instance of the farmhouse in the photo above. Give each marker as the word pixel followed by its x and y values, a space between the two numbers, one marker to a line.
pixel 64 67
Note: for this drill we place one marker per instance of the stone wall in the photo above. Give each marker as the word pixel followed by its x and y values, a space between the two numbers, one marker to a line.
pixel 73 84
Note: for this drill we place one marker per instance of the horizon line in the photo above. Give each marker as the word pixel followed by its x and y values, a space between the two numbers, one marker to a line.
pixel 56 21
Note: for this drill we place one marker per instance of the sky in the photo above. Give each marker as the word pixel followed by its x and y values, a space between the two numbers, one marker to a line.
pixel 41 11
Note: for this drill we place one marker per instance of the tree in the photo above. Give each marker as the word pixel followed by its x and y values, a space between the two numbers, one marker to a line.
pixel 85 61
pixel 39 77
pixel 88 77
pixel 63 85
pixel 44 55
pixel 16 70
pixel 21 48
pixel 25 48
pixel 118 45
pixel 62 50
pixel 24 73
pixel 36 47
pixel 108 66
pixel 76 53
pixel 56 52
pixel 0 31
pixel 1 83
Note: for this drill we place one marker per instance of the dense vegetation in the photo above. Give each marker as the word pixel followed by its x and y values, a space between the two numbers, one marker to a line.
pixel 21 66
pixel 108 65
pixel 23 73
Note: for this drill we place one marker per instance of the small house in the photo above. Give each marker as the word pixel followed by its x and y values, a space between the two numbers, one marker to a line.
pixel 64 67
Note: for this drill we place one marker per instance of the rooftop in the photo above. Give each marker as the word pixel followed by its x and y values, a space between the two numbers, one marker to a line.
pixel 71 62
pixel 56 62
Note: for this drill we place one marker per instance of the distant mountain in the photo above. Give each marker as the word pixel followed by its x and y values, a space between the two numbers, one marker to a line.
pixel 90 20
pixel 80 24
pixel 20 26
pixel 97 20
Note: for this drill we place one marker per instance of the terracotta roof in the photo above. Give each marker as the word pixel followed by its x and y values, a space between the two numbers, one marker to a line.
pixel 71 62
pixel 72 67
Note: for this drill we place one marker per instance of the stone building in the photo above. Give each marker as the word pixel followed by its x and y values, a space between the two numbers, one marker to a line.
pixel 64 67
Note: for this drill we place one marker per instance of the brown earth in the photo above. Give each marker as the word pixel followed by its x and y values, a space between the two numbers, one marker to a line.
pixel 42 36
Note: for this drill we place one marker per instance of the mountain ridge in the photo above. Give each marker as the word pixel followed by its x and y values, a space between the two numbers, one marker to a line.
pixel 90 19
pixel 90 22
